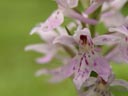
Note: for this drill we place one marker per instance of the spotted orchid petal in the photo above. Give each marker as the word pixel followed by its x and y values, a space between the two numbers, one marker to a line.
pixel 53 21
pixel 80 78
pixel 119 82
pixel 81 32
pixel 102 67
pixel 121 29
pixel 106 40
pixel 65 40
pixel 58 74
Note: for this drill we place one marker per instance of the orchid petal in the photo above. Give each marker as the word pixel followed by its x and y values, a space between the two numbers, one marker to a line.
pixel 53 21
pixel 41 48
pixel 119 82
pixel 106 40
pixel 67 3
pixel 64 40
pixel 123 49
pixel 72 3
pixel 58 74
pixel 75 15
pixel 48 36
pixel 92 7
pixel 115 55
pixel 102 68
pixel 80 32
pixel 118 4
pixel 45 59
pixel 61 31
pixel 110 18
pixel 120 29
pixel 80 78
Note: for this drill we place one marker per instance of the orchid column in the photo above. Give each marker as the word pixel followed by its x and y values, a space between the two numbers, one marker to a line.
pixel 86 65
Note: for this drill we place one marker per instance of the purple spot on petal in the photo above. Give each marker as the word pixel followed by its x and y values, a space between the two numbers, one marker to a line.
pixel 83 38
pixel 126 39
pixel 86 62
pixel 95 64
pixel 104 39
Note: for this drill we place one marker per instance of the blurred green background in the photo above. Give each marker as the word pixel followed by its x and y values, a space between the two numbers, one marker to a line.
pixel 17 67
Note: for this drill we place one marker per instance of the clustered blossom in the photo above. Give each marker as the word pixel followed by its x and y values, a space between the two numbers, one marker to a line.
pixel 86 65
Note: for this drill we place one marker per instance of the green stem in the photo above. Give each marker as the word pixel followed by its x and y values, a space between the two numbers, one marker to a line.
pixel 96 16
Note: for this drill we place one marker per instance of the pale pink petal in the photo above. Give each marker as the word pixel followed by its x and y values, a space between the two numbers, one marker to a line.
pixel 64 40
pixel 118 4
pixel 119 82
pixel 112 18
pixel 72 3
pixel 102 67
pixel 114 5
pixel 48 36
pixel 121 29
pixel 123 49
pixel 36 29
pixel 80 78
pixel 92 7
pixel 106 40
pixel 115 55
pixel 41 48
pixel 67 3
pixel 75 15
pixel 45 59
pixel 61 30
pixel 55 20
pixel 58 74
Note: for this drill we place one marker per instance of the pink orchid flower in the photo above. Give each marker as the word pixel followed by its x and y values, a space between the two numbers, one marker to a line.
pixel 48 48
pixel 97 86
pixel 119 39
pixel 86 60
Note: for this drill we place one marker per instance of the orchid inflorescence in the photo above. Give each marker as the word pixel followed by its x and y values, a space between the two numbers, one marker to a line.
pixel 86 64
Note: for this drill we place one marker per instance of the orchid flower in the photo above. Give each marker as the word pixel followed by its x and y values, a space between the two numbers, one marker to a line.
pixel 48 38
pixel 119 39
pixel 64 9
pixel 121 51
pixel 111 15
pixel 85 61
pixel 85 64
pixel 112 18
pixel 97 86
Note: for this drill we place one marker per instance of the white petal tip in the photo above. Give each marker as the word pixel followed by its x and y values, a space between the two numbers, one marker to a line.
pixel 26 49
pixel 41 72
